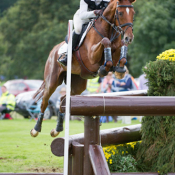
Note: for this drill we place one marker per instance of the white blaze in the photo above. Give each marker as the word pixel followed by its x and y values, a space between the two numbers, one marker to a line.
pixel 127 10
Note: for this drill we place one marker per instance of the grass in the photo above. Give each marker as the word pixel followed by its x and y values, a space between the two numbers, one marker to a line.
pixel 19 152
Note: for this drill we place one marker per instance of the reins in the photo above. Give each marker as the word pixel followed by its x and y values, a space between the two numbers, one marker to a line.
pixel 116 30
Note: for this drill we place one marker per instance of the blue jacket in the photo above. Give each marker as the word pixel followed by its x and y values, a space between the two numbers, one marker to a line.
pixel 118 88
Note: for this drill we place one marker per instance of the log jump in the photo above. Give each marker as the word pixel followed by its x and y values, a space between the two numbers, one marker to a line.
pixel 85 151
pixel 108 137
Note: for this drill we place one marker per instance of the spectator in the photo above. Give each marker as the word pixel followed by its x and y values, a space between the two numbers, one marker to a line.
pixel 142 86
pixel 107 83
pixel 106 88
pixel 62 94
pixel 143 82
pixel 0 90
pixel 124 84
pixel 7 102
pixel 93 85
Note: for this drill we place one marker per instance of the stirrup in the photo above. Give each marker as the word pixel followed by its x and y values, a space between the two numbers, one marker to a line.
pixel 63 59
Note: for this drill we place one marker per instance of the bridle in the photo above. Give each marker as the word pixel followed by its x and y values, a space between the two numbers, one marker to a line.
pixel 116 17
pixel 117 30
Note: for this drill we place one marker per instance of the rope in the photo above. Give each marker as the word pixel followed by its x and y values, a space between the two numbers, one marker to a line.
pixel 104 104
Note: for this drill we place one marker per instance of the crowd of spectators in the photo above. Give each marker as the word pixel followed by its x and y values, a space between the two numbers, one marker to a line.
pixel 110 84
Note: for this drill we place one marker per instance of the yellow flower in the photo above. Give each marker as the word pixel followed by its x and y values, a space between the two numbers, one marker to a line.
pixel 167 55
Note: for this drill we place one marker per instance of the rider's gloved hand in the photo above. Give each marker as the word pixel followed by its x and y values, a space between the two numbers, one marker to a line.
pixel 98 12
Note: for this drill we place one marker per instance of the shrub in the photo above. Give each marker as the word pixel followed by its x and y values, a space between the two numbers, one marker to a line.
pixel 157 150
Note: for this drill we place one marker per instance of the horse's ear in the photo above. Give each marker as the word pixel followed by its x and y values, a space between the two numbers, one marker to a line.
pixel 131 1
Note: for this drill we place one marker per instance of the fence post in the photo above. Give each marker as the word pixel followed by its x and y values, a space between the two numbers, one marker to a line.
pixel 91 137
pixel 68 90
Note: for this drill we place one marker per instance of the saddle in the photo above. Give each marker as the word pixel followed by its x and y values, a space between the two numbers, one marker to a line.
pixel 85 29
pixel 85 72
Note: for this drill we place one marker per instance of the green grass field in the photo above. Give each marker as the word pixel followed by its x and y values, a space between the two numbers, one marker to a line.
pixel 19 152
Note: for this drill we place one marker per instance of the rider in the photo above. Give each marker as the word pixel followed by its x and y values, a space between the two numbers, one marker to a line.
pixel 88 9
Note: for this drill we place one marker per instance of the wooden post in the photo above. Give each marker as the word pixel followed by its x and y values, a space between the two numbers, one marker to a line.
pixel 98 160
pixel 70 165
pixel 91 137
pixel 78 156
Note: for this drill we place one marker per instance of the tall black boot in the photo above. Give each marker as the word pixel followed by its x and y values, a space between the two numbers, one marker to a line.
pixel 75 41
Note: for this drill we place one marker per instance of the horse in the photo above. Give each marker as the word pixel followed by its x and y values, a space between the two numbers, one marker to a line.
pixel 99 53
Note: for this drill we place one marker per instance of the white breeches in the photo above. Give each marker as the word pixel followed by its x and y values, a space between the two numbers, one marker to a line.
pixel 77 28
pixel 78 22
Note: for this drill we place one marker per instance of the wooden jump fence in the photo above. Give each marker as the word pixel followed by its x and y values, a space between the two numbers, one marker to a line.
pixel 86 156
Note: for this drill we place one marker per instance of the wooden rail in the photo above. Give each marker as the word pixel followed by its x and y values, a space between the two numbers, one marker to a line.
pixel 108 137
pixel 121 105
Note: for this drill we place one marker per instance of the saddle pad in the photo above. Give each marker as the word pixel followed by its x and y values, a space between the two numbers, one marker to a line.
pixel 84 33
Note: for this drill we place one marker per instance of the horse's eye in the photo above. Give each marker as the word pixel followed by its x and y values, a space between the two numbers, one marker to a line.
pixel 120 13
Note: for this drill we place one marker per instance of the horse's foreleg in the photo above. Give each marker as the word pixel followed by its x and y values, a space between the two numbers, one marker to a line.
pixel 107 53
pixel 120 69
pixel 97 51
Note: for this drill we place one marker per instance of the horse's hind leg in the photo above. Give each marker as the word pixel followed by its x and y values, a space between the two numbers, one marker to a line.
pixel 47 93
pixel 78 85
pixel 59 127
pixel 50 87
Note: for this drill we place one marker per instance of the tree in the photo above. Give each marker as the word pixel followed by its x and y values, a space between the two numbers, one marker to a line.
pixel 154 31
pixel 5 4
pixel 31 33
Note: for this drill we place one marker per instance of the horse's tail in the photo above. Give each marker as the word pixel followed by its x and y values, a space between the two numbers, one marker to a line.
pixel 39 93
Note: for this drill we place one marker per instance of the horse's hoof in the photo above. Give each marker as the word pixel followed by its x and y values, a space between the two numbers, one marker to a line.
pixel 54 133
pixel 34 133
pixel 119 75
pixel 102 71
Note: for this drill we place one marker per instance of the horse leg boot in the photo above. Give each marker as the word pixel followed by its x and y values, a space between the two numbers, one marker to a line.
pixel 59 127
pixel 120 69
pixel 34 132
pixel 75 41
pixel 104 69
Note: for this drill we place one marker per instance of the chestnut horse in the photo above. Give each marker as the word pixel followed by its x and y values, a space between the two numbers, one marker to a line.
pixel 100 52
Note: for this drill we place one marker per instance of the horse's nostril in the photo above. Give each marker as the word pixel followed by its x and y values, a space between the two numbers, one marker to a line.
pixel 126 39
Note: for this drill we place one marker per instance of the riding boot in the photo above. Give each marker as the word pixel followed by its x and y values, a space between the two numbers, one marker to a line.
pixel 75 41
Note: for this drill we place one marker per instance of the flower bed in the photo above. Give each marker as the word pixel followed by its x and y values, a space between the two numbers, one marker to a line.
pixel 121 158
